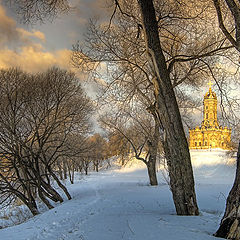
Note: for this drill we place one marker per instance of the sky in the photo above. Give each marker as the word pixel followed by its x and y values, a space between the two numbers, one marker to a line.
pixel 37 47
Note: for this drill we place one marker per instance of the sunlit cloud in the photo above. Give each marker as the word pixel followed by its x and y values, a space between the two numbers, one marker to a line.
pixel 26 34
pixel 34 58
pixel 10 33
pixel 25 49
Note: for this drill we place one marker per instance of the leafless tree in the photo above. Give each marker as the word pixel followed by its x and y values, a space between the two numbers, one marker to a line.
pixel 32 11
pixel 141 131
pixel 118 146
pixel 38 113
pixel 123 46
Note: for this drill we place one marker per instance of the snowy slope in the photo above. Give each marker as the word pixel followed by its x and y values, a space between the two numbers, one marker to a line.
pixel 119 204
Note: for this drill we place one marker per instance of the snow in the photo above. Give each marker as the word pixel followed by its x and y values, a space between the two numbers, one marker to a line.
pixel 119 204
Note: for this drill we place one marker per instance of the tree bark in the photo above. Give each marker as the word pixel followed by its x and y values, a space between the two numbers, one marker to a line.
pixel 60 172
pixel 64 169
pixel 153 150
pixel 42 197
pixel 30 203
pixel 33 207
pixel 176 147
pixel 151 167
pixel 230 223
pixel 51 192
pixel 59 183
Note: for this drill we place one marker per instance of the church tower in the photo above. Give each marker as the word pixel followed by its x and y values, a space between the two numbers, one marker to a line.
pixel 210 134
pixel 210 108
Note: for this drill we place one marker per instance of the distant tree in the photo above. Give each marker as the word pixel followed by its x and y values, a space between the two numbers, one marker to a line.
pixel 118 145
pixel 97 149
pixel 140 131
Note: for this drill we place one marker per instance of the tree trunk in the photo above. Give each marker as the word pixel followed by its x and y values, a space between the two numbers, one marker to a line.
pixel 70 172
pixel 60 184
pixel 73 174
pixel 33 207
pixel 50 192
pixel 151 167
pixel 30 203
pixel 60 172
pixel 97 163
pixel 42 197
pixel 122 160
pixel 153 150
pixel 176 146
pixel 230 224
pixel 64 169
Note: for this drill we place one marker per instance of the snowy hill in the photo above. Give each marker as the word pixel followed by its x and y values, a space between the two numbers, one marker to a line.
pixel 119 204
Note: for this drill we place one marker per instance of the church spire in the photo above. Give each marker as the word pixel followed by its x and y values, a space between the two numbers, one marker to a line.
pixel 210 108
pixel 210 85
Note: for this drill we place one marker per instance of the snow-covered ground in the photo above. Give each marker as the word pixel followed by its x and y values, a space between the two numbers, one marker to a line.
pixel 119 204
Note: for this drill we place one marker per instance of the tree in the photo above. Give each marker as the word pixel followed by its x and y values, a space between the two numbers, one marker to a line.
pixel 38 114
pixel 33 11
pixel 142 133
pixel 180 60
pixel 230 26
pixel 118 146
pixel 175 146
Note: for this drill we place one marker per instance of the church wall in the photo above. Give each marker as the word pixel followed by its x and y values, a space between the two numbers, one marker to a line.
pixel 206 139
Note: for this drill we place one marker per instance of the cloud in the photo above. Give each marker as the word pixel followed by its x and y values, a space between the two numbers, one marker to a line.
pixel 11 34
pixel 34 58
pixel 7 27
pixel 25 49
pixel 24 34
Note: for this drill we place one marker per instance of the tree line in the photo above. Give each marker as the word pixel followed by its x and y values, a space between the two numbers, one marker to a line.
pixel 44 119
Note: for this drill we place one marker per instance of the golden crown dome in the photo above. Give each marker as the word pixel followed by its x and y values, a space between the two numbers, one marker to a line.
pixel 210 94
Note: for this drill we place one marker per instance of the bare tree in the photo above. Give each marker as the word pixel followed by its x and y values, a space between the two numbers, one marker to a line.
pixel 141 131
pixel 32 11
pixel 38 113
pixel 228 14
pixel 118 146
pixel 178 60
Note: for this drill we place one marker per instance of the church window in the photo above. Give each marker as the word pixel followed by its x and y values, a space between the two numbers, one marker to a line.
pixel 206 115
pixel 200 144
pixel 195 144
pixel 205 143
